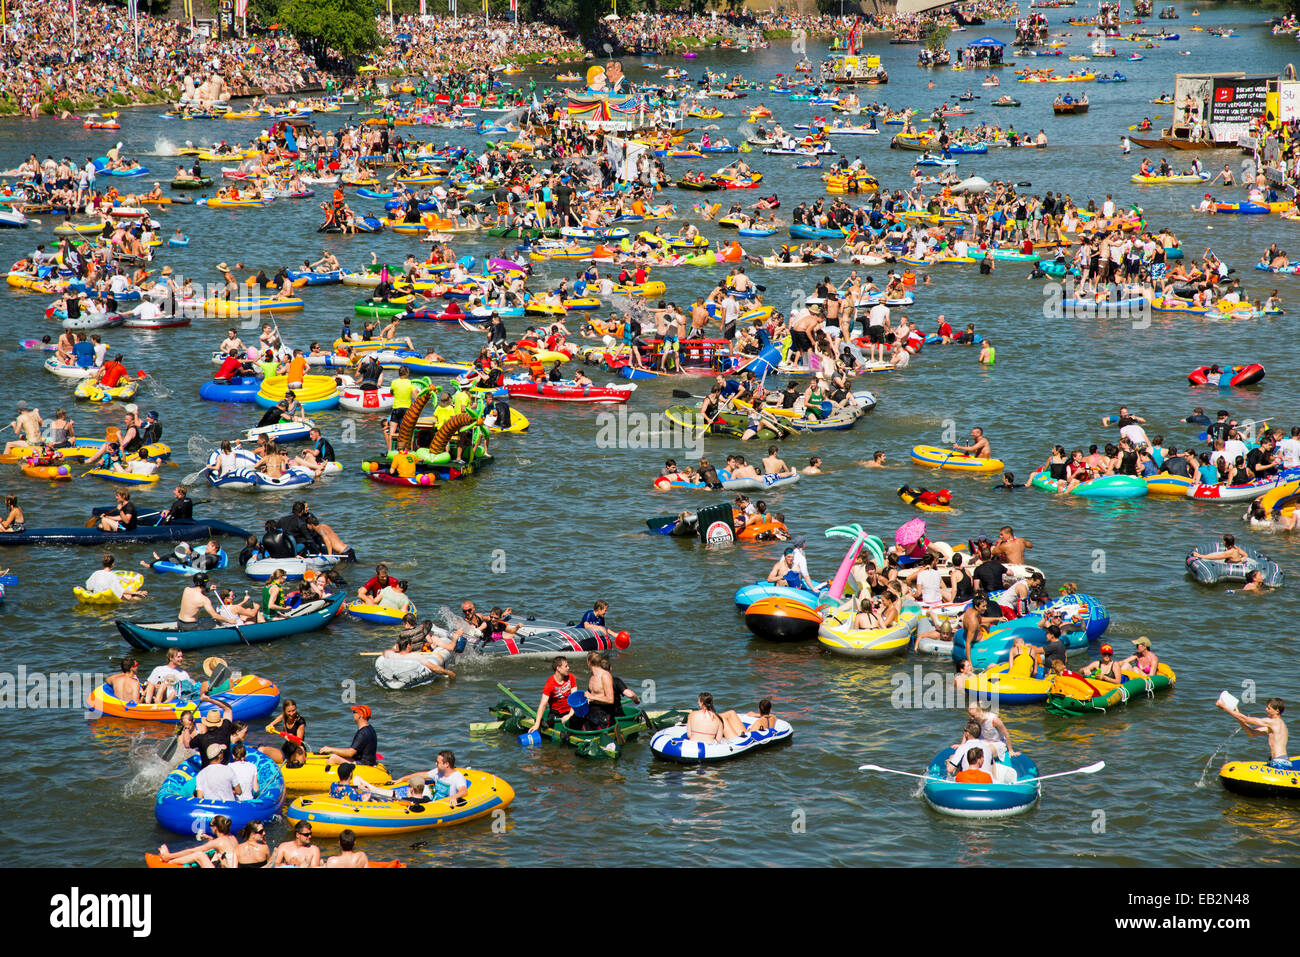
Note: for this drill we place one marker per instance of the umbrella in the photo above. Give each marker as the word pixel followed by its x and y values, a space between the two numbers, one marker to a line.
pixel 910 533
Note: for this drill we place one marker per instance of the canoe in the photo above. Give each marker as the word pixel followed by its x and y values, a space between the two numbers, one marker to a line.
pixel 1015 789
pixel 178 531
pixel 307 617
pixel 249 698
pixel 958 461
pixel 1071 695
pixel 728 423
pixel 562 392
pixel 330 816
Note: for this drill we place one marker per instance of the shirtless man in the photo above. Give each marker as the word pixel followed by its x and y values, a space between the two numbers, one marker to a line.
pixel 347 857
pixel 973 620
pixel 979 447
pixel 300 852
pixel 773 464
pixel 27 424
pixel 1010 548
pixel 194 600
pixel 739 468
pixel 1273 726
pixel 1231 552
pixel 126 686
pixel 705 724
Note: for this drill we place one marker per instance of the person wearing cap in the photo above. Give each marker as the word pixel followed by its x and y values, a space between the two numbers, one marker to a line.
pixel 216 781
pixel 27 424
pixel 1106 668
pixel 217 728
pixel 365 743
pixel 1144 660
pixel 151 431
pixel 194 599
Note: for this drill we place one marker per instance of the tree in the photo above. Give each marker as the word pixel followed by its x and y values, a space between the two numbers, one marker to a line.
pixel 328 28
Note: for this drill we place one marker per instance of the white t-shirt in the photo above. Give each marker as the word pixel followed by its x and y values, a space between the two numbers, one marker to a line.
pixel 148 311
pixel 105 580
pixel 216 782
pixel 245 774
pixel 931 584
pixel 168 674
pixel 1234 447
pixel 101 351
pixel 1135 434
pixel 454 780
pixel 878 315
pixel 991 749
pixel 1289 451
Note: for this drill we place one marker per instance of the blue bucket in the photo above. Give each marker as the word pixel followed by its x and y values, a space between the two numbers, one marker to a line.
pixel 531 739
pixel 578 702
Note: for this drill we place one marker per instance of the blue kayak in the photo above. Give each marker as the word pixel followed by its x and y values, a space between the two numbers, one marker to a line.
pixel 309 616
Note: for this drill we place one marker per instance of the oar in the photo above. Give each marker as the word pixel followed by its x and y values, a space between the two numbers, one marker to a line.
pixel 1090 769
pixel 167 750
pixel 194 476
pixel 906 774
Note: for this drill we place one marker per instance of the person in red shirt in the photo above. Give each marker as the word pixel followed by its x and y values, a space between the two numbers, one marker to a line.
pixel 112 373
pixel 640 275
pixel 945 330
pixel 555 693
pixel 230 367
pixel 369 592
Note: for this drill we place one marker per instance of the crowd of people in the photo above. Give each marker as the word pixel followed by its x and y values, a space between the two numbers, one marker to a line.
pixel 49 58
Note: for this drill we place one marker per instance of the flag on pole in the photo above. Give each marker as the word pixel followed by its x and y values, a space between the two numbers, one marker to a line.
pixel 422 11
pixel 241 8
pixel 133 8
pixel 189 9
pixel 74 21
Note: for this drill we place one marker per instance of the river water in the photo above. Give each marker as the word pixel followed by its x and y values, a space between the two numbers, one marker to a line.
pixel 558 521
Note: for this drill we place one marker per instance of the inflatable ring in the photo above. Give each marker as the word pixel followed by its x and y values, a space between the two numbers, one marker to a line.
pixel 406 430
pixel 447 430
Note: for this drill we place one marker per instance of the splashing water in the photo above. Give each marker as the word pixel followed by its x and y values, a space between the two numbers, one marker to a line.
pixel 162 146
pixel 149 769
pixel 1200 783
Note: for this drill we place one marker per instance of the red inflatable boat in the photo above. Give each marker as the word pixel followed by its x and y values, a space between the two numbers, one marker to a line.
pixel 1226 376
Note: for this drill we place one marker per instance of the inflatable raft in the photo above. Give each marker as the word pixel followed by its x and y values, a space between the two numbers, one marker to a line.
pixel 178 809
pixel 835 636
pixel 330 816
pixel 1227 376
pixel 1258 779
pixel 1015 788
pixel 249 698
pixel 781 619
pixel 672 744
pixel 1075 694
pixel 938 458
pixel 1213 572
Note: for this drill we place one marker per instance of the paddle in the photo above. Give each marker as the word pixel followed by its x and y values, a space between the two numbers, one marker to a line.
pixel 1089 769
pixel 8 580
pixel 167 750
pixel 233 625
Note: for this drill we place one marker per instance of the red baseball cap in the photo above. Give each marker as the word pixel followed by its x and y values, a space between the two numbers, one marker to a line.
pixel 362 709
pixel 1107 650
